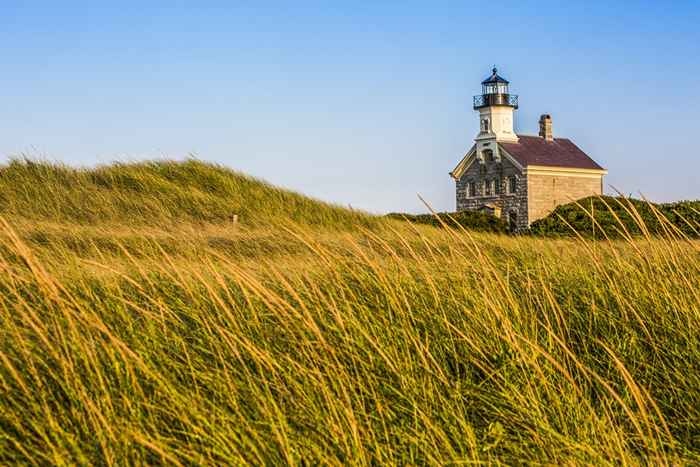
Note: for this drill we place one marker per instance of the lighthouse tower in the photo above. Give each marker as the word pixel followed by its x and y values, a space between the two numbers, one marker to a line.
pixel 495 105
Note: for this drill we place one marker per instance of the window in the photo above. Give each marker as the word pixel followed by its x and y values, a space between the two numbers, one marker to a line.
pixel 471 190
pixel 488 155
pixel 512 185
pixel 486 125
pixel 497 188
pixel 488 187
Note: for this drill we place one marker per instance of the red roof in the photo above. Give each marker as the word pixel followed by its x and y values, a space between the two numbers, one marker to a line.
pixel 534 150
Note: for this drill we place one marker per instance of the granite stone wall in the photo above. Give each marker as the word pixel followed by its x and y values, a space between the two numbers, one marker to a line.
pixel 512 206
pixel 535 195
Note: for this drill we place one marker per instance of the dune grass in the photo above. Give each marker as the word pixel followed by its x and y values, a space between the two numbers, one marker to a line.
pixel 154 193
pixel 368 342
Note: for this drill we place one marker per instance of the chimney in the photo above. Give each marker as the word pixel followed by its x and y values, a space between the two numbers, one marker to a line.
pixel 546 127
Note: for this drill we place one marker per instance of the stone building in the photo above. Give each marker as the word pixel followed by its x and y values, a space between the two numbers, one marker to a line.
pixel 520 178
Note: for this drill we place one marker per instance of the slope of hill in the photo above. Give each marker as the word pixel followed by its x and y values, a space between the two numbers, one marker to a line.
pixel 153 193
pixel 615 217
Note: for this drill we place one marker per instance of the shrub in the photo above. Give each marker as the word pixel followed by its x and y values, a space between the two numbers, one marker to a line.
pixel 613 217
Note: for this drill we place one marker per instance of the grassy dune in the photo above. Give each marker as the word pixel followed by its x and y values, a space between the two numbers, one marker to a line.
pixel 156 193
pixel 138 325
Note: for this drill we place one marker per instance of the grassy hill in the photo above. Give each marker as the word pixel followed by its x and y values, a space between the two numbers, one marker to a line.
pixel 153 193
pixel 138 326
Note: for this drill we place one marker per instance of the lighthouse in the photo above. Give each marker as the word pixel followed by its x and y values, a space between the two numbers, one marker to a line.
pixel 496 106
pixel 519 178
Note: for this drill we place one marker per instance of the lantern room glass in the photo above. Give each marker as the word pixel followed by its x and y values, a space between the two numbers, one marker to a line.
pixel 495 88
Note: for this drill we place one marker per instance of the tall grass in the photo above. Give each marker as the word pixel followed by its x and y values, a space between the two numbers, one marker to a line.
pixel 397 344
pixel 156 192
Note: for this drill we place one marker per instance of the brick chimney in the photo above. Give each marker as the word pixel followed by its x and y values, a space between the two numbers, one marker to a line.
pixel 546 127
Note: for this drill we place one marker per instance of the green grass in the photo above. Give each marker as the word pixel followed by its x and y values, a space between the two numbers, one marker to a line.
pixel 308 340
pixel 153 193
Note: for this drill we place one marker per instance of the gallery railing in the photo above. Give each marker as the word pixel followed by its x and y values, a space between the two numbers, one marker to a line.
pixel 487 100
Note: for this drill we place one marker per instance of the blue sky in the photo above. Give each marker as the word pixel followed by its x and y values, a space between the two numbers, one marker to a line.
pixel 363 103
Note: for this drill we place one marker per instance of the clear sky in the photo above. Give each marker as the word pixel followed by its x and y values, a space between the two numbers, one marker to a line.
pixel 363 103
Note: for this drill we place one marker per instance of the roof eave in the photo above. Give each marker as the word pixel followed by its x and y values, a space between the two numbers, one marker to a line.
pixel 458 171
pixel 553 169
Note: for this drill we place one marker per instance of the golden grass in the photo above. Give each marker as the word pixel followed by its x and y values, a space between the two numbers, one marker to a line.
pixel 396 345
pixel 375 342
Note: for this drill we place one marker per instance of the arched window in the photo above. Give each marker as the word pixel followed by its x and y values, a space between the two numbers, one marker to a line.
pixel 485 125
pixel 488 155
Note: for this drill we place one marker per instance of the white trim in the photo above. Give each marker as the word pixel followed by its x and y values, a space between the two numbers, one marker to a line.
pixel 469 163
pixel 464 164
pixel 565 171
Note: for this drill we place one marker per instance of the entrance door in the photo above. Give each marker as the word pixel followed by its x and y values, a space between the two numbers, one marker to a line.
pixel 512 220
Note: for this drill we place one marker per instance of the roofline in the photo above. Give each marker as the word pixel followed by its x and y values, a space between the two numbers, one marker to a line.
pixel 565 171
pixel 545 167
pixel 465 163
pixel 511 158
pixel 469 158
pixel 497 80
pixel 462 165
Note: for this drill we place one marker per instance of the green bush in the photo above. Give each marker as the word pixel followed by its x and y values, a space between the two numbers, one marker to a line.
pixel 618 216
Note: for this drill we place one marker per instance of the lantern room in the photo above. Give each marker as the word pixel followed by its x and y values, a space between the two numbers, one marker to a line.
pixel 494 91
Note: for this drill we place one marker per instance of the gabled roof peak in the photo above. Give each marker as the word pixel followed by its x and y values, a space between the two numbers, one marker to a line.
pixel 561 153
